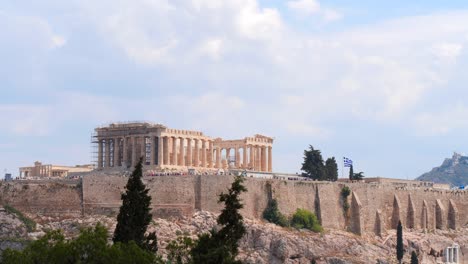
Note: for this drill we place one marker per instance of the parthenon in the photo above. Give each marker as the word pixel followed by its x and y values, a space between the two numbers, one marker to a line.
pixel 122 144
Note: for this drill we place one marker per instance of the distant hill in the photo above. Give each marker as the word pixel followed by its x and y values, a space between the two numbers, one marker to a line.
pixel 453 171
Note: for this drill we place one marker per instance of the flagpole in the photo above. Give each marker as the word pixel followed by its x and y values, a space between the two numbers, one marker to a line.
pixel 342 168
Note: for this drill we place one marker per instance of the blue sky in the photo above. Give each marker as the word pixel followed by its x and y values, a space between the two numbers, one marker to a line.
pixel 380 83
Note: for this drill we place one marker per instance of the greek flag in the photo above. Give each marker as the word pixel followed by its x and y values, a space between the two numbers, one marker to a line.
pixel 347 162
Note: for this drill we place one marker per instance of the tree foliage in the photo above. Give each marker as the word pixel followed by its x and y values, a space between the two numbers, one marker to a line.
pixel 331 169
pixel 315 168
pixel 399 245
pixel 358 176
pixel 313 164
pixel 303 218
pixel 179 250
pixel 273 215
pixel 89 247
pixel 134 215
pixel 351 173
pixel 222 246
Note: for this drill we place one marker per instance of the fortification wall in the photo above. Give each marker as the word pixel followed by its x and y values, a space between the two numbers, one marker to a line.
pixel 373 207
pixel 60 198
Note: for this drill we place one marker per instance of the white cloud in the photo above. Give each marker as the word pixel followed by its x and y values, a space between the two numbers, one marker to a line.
pixel 213 48
pixel 26 120
pixel 58 41
pixel 443 121
pixel 313 7
pixel 258 23
pixel 447 51
pixel 307 7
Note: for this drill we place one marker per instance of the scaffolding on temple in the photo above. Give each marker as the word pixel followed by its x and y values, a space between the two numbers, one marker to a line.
pixel 94 149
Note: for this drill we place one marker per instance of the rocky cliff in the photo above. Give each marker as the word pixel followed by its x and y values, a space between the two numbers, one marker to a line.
pixel 263 243
pixel 453 171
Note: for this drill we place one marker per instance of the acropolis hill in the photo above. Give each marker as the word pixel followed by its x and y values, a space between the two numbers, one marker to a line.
pixel 376 206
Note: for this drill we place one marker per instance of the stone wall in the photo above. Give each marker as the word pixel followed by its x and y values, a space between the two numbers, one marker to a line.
pixel 373 207
pixel 50 197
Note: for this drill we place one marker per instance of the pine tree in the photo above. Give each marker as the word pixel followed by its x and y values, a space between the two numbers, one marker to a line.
pixel 351 173
pixel 331 169
pixel 358 176
pixel 221 247
pixel 313 164
pixel 134 215
pixel 414 258
pixel 399 245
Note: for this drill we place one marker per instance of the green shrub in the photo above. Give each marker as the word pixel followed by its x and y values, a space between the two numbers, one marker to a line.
pixel 89 247
pixel 345 192
pixel 273 215
pixel 305 219
pixel 28 222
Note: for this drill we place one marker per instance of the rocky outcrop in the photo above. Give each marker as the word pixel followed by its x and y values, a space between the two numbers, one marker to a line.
pixel 267 243
pixel 452 171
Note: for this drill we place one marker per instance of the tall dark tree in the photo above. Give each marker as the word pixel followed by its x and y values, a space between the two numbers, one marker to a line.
pixel 414 258
pixel 134 215
pixel 221 247
pixel 351 173
pixel 399 245
pixel 313 164
pixel 331 169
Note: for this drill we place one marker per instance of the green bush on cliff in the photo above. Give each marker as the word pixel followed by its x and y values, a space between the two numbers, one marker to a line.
pixel 303 218
pixel 89 247
pixel 29 223
pixel 273 215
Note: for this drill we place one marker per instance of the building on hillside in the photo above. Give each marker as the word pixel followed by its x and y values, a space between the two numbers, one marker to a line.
pixel 120 145
pixel 52 171
pixel 8 177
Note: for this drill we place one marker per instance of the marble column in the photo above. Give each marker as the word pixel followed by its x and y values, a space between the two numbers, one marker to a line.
pixel 210 154
pixel 116 152
pixel 257 158
pixel 143 149
pixel 237 157
pixel 108 153
pixel 153 150
pixel 244 157
pixel 270 160
pixel 203 153
pixel 218 158
pixel 252 157
pixel 197 153
pixel 134 154
pixel 264 160
pixel 228 152
pixel 100 154
pixel 166 151
pixel 125 152
pixel 174 151
pixel 181 152
pixel 160 151
pixel 188 160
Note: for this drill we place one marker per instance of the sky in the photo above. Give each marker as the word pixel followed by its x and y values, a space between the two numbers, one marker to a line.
pixel 383 84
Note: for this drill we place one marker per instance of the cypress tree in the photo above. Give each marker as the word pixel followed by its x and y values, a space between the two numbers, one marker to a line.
pixel 414 258
pixel 221 247
pixel 399 245
pixel 351 173
pixel 331 169
pixel 134 215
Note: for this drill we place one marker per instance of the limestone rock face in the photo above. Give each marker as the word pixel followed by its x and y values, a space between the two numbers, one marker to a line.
pixel 264 242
